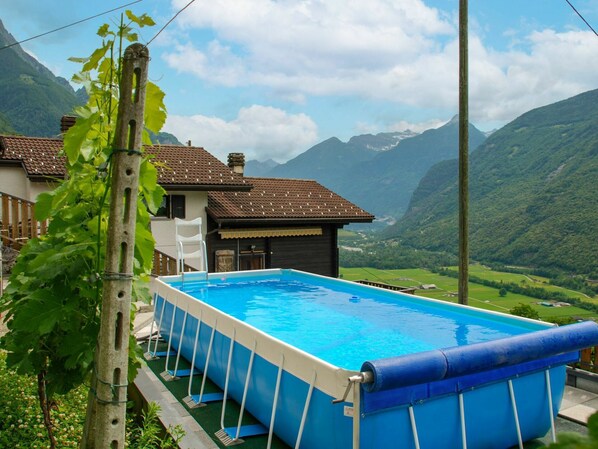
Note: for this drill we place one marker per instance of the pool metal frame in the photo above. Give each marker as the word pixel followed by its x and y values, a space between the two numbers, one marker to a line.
pixel 446 372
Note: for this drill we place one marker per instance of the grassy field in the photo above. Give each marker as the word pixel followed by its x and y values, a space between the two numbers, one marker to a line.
pixel 479 295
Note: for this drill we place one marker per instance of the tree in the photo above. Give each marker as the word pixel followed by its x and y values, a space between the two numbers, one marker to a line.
pixel 525 310
pixel 502 292
pixel 52 303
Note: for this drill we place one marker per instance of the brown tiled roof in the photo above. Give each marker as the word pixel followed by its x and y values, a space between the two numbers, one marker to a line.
pixel 179 166
pixel 38 155
pixel 277 199
pixel 193 167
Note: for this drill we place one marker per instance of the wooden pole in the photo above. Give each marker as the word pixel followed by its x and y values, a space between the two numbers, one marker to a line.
pixel 107 429
pixel 463 156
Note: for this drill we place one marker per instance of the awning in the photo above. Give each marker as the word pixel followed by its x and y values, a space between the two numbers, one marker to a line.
pixel 244 233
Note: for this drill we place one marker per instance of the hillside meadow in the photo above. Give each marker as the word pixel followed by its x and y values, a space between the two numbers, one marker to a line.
pixel 480 296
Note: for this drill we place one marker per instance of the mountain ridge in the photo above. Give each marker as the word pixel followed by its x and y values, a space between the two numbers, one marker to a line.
pixel 369 170
pixel 532 193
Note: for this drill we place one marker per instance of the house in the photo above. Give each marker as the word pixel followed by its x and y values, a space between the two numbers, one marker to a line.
pixel 283 223
pixel 249 223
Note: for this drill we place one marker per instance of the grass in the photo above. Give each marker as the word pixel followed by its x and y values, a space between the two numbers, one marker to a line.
pixel 21 420
pixel 479 296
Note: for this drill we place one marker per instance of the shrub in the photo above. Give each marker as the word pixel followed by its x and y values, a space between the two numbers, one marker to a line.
pixel 22 425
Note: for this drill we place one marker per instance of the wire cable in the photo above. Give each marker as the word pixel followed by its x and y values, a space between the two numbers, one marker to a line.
pixel 169 22
pixel 69 25
pixel 581 17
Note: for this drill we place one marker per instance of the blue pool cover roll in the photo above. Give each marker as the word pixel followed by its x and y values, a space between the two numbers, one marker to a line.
pixel 439 364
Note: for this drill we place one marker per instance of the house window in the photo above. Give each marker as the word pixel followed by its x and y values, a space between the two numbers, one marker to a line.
pixel 252 261
pixel 173 206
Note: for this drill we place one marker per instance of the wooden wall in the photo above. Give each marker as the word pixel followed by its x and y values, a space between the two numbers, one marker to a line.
pixel 314 254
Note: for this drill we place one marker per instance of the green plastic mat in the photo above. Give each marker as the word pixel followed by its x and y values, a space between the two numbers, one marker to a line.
pixel 208 417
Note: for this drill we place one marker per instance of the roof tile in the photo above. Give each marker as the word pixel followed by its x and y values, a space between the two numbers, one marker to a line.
pixel 177 165
pixel 270 199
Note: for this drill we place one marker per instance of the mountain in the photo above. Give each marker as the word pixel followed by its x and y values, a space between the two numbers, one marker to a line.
pixel 386 182
pixel 259 169
pixel 32 99
pixel 377 172
pixel 533 195
pixel 164 138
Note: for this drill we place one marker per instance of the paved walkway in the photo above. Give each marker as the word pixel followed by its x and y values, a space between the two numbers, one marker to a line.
pixel 578 405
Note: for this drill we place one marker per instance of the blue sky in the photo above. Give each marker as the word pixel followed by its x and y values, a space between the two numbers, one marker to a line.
pixel 271 78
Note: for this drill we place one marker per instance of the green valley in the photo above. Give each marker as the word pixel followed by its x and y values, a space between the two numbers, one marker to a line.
pixel 480 296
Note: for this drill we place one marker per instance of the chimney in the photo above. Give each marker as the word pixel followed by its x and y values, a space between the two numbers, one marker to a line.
pixel 236 162
pixel 66 122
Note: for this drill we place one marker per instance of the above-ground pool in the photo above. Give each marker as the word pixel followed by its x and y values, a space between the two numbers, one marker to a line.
pixel 325 363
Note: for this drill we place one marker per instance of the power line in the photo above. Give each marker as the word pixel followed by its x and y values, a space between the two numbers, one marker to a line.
pixel 69 25
pixel 169 22
pixel 581 17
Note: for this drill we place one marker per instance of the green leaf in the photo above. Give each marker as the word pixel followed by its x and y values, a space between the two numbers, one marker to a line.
pixel 141 21
pixel 144 245
pixel 78 60
pixel 96 56
pixel 132 37
pixel 155 111
pixel 75 140
pixel 40 313
pixel 103 31
pixel 43 205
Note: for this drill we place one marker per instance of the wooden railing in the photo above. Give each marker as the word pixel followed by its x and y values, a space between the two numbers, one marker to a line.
pixel 17 221
pixel 18 224
pixel 588 359
pixel 163 264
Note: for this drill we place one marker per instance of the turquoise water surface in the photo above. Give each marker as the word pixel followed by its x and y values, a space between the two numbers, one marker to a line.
pixel 346 324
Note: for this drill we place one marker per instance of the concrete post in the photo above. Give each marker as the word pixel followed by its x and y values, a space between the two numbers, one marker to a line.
pixel 110 377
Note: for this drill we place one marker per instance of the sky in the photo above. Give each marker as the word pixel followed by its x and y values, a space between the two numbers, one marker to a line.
pixel 271 78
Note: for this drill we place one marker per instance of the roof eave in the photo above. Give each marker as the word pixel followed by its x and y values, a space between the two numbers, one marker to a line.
pixel 292 220
pixel 207 187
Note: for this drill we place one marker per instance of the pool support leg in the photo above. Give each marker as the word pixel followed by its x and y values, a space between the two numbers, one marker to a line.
pixel 515 414
pixel 413 427
pixel 195 344
pixel 149 355
pixel 275 402
pixel 550 414
pixel 202 399
pixel 225 434
pixel 462 419
pixel 170 352
pixel 305 410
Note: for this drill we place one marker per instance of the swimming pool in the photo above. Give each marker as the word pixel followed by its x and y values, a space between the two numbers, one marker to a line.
pixel 325 363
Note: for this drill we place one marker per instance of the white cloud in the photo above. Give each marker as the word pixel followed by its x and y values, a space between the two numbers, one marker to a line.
pixel 258 131
pixel 404 52
pixel 316 48
pixel 403 125
pixel 551 67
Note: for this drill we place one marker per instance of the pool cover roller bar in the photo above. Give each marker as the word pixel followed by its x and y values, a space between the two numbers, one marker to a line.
pixel 440 364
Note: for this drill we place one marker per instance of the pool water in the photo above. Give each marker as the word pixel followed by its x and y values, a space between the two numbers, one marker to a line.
pixel 348 324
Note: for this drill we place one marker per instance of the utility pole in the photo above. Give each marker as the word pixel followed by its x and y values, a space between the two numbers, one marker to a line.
pixel 463 155
pixel 105 424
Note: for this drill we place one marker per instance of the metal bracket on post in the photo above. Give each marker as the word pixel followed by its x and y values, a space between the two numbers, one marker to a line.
pixel 361 378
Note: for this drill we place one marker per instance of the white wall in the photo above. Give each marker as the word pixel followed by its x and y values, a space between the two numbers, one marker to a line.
pixel 14 182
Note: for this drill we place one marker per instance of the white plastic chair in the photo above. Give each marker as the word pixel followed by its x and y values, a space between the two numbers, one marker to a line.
pixel 190 244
